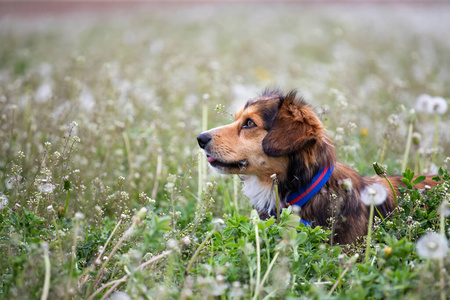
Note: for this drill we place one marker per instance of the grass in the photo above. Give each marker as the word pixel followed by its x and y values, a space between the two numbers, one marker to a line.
pixel 99 165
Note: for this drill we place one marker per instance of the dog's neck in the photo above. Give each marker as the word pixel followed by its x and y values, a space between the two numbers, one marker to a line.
pixel 261 194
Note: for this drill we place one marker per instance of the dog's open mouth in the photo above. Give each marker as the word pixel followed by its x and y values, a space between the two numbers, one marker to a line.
pixel 242 164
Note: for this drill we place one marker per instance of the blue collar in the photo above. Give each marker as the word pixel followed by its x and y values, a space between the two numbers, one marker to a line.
pixel 304 194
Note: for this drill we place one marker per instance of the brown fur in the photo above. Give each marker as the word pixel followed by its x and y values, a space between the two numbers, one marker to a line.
pixel 287 138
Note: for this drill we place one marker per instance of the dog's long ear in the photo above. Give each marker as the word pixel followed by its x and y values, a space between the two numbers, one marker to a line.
pixel 295 127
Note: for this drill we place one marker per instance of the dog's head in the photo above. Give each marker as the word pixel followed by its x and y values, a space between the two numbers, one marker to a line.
pixel 265 133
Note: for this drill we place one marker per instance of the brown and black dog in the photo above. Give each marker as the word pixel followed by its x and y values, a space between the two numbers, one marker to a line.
pixel 281 134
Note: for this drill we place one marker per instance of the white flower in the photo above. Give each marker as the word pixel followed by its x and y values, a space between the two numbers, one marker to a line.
pixel 50 209
pixel 185 241
pixel 218 224
pixel 423 103
pixel 3 201
pixel 438 106
pixel 13 181
pixel 374 194
pixel 142 212
pixel 432 245
pixel 79 216
pixel 46 188
pixel 444 208
pixel 172 244
pixel 44 92
pixel 393 120
pixel 120 296
pixel 87 99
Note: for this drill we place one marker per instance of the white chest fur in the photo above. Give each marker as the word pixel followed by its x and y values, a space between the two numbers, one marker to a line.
pixel 262 196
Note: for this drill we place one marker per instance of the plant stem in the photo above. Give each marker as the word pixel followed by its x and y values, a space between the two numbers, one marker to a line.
pixel 158 174
pixel 435 140
pixel 338 280
pixel 408 146
pixel 46 287
pixel 116 283
pixel 67 202
pixel 235 192
pixel 393 190
pixel 194 257
pixel 258 261
pixel 369 233
pixel 126 140
pixel 441 261
pixel 200 176
pixel 441 278
pixel 267 274
pixel 99 257
pixel 74 254
pixel 59 239
pixel 111 255
pixel 383 150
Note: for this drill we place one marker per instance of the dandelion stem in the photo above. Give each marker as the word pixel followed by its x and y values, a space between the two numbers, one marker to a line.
pixel 126 140
pixel 59 238
pixel 158 174
pixel 116 283
pixel 74 254
pixel 235 192
pixel 202 245
pixel 441 261
pixel 436 137
pixel 338 280
pixel 277 200
pixel 408 145
pixel 200 176
pixel 393 190
pixel 441 278
pixel 67 202
pixel 381 216
pixel 267 273
pixel 46 287
pixel 369 233
pixel 116 247
pixel 99 257
pixel 383 150
pixel 422 276
pixel 258 261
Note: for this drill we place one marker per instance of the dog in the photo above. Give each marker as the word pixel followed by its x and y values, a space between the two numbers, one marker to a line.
pixel 278 137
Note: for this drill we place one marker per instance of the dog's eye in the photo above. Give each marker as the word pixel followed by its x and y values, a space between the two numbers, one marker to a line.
pixel 249 124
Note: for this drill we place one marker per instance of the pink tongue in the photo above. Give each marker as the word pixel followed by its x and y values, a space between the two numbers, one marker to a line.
pixel 211 159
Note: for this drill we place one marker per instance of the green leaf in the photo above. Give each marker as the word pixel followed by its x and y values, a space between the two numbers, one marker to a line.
pixel 436 178
pixel 406 182
pixel 419 179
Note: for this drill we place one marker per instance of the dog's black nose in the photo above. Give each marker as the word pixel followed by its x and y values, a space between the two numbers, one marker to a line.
pixel 203 140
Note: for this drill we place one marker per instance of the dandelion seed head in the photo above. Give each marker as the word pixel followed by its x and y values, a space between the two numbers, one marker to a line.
pixel 3 201
pixel 423 103
pixel 445 208
pixel 185 241
pixel 50 209
pixel 346 184
pixel 393 120
pixel 79 216
pixel 432 246
pixel 46 188
pixel 172 244
pixel 374 194
pixel 438 106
